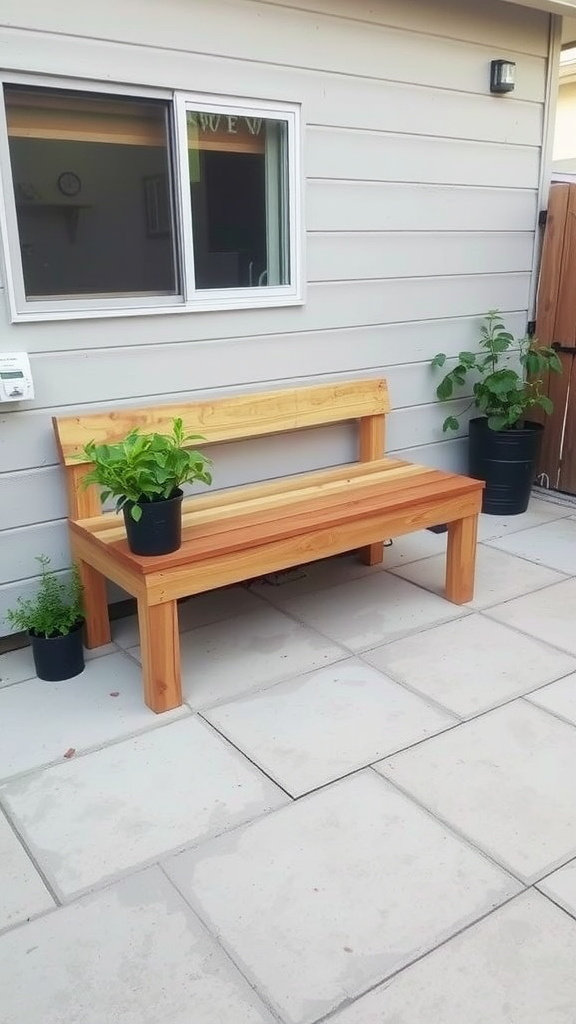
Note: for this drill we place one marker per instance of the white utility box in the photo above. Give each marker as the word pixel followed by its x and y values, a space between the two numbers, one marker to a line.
pixel 16 384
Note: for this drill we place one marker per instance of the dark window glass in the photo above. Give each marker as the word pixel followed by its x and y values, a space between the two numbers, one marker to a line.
pixel 94 198
pixel 238 177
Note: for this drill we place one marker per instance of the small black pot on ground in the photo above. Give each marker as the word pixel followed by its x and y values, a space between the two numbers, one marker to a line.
pixel 58 657
pixel 159 529
pixel 506 460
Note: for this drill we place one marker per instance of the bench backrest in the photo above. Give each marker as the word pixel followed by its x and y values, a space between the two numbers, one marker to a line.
pixel 225 419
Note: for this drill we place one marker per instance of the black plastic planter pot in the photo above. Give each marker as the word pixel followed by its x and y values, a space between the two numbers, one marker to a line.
pixel 159 530
pixel 506 460
pixel 58 657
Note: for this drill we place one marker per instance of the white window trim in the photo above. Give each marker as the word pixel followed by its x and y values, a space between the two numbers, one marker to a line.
pixel 190 300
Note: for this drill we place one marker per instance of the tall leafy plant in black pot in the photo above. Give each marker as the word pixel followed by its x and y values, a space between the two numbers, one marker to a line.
pixel 53 619
pixel 145 474
pixel 504 442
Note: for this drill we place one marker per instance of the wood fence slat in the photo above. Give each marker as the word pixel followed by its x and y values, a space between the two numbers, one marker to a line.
pixel 553 319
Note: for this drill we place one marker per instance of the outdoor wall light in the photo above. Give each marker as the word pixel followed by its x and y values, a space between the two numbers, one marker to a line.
pixel 502 76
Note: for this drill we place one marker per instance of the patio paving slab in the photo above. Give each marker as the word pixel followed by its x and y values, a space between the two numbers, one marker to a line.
pixel 515 967
pixel 41 721
pixel 553 544
pixel 559 698
pixel 314 729
pixel 538 512
pixel 499 576
pixel 561 887
pixel 326 897
pixel 279 588
pixel 200 610
pixel 365 613
pixel 547 615
pixel 22 891
pixel 133 954
pixel 247 653
pixel 95 817
pixel 471 665
pixel 16 666
pixel 507 780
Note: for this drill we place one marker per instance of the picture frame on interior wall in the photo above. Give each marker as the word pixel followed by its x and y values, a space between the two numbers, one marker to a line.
pixel 279 275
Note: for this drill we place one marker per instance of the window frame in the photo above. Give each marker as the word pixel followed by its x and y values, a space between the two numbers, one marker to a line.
pixel 190 299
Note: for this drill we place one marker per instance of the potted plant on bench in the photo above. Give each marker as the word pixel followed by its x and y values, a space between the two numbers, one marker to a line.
pixel 145 474
pixel 53 620
pixel 503 443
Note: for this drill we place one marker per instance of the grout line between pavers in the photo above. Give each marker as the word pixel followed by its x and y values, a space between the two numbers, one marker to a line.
pixel 493 545
pixel 463 719
pixel 222 945
pixel 351 1000
pixel 465 611
pixel 524 881
pixel 555 900
pixel 489 613
pixel 549 711
pixel 346 775
pixel 187 713
pixel 262 687
pixel 186 846
pixel 564 577
pixel 453 829
pixel 246 757
pixel 31 856
pixel 31 919
pixel 425 628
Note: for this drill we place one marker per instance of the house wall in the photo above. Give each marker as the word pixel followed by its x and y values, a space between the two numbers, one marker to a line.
pixel 420 207
pixel 565 128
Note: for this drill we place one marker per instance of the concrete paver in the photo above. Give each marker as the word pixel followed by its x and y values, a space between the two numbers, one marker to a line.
pixel 237 862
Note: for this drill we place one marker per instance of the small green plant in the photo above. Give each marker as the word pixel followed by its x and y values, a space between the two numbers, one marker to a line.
pixel 56 608
pixel 145 467
pixel 502 393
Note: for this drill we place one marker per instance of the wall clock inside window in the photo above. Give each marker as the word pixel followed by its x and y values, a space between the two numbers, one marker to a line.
pixel 69 183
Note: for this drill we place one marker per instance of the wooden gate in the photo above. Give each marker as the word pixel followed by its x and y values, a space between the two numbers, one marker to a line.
pixel 556 325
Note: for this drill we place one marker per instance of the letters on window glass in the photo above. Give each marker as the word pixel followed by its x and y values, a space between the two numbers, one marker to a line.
pixel 239 205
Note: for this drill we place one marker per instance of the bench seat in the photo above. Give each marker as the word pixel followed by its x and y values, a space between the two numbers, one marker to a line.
pixel 246 532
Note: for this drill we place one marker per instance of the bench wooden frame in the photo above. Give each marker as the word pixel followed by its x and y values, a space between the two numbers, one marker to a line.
pixel 234 535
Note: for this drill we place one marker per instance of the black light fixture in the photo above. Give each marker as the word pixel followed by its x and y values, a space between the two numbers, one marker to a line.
pixel 502 76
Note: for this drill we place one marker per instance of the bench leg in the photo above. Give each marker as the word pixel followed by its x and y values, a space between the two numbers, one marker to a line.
pixel 97 628
pixel 373 554
pixel 461 560
pixel 160 646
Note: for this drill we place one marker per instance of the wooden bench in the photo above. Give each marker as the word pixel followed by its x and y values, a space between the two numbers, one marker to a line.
pixel 242 533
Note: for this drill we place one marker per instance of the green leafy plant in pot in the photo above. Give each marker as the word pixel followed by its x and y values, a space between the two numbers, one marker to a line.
pixel 53 619
pixel 508 377
pixel 145 474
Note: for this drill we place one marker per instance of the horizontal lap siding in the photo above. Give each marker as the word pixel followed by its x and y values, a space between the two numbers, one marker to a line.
pixel 421 200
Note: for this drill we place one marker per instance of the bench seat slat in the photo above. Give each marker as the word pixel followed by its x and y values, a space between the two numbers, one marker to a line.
pixel 273 556
pixel 265 520
pixel 284 489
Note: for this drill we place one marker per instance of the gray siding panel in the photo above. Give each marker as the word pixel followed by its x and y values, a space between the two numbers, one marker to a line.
pixel 421 201
pixel 355 255
pixel 361 156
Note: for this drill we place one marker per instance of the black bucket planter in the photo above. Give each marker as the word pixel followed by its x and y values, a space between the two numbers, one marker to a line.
pixel 506 460
pixel 58 657
pixel 159 530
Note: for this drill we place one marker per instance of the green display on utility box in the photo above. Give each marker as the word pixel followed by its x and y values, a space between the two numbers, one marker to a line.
pixel 10 374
